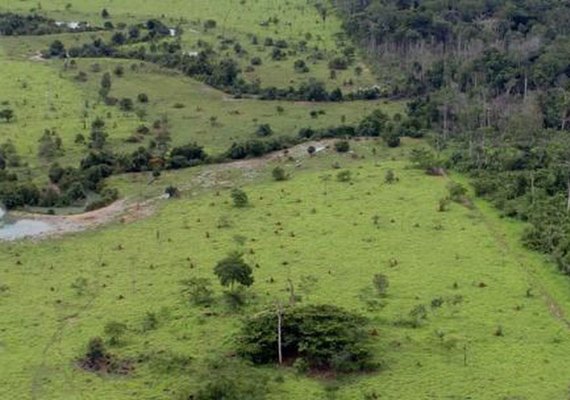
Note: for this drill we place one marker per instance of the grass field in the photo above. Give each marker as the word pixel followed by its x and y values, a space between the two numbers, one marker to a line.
pixel 500 333
pixel 45 95
pixel 468 257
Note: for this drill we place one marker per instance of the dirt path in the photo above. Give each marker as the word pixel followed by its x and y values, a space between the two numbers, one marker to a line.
pixel 126 210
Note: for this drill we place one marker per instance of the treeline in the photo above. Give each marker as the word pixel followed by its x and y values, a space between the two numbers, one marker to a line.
pixel 75 185
pixel 18 25
pixel 490 81
pixel 145 43
pixel 507 47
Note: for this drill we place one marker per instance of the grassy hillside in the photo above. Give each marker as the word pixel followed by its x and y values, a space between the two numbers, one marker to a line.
pixel 330 238
pixel 468 313
pixel 48 95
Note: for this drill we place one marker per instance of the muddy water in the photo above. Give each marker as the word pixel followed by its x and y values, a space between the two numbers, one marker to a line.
pixel 12 229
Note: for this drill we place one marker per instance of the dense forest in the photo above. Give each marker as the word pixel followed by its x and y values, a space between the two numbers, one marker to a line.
pixel 490 80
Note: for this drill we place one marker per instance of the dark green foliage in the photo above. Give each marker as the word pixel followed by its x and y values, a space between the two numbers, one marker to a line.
pixel 233 270
pixel 325 337
pixel 300 66
pixel 142 98
pixel 119 70
pixel 423 158
pixel 210 24
pixel 392 139
pixel 279 174
pixel 344 176
pixel 390 177
pixel 98 359
pixel 342 146
pixel 34 24
pixel 457 191
pixel 264 130
pixel 172 191
pixel 56 49
pixel 339 63
pixel 239 198
pixel 105 85
pixel 126 104
pixel 7 114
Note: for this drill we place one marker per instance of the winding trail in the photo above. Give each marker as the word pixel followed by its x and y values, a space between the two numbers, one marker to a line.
pixel 128 210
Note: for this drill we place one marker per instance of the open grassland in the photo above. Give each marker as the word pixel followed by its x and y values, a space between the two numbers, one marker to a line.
pixel 44 96
pixel 329 238
pixel 47 95
pixel 237 21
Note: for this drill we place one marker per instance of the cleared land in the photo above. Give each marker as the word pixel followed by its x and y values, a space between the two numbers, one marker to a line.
pixel 496 315
pixel 467 257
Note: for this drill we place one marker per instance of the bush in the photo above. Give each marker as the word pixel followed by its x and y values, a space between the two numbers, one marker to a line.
pixel 342 146
pixel 126 104
pixel 300 66
pixel 339 63
pixel 392 139
pixel 256 61
pixel 390 177
pixel 279 174
pixel 239 198
pixel 344 176
pixel 210 24
pixel 457 191
pixel 142 98
pixel 119 70
pixel 264 130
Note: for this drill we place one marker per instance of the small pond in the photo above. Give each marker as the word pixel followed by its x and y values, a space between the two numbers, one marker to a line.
pixel 13 228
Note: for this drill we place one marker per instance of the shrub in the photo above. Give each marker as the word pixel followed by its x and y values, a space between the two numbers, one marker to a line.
pixel 119 70
pixel 392 139
pixel 344 176
pixel 172 191
pixel 300 66
pixel 256 61
pixel 142 98
pixel 210 24
pixel 457 191
pixel 239 198
pixel 342 146
pixel 390 177
pixel 264 130
pixel 126 104
pixel 339 63
pixel 279 174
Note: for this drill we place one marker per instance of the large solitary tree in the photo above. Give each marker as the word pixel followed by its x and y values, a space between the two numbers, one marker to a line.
pixel 234 270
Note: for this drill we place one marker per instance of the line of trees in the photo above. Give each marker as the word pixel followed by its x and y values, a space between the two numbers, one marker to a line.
pixel 490 81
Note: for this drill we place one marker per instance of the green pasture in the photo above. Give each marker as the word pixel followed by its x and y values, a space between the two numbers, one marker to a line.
pixel 329 238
